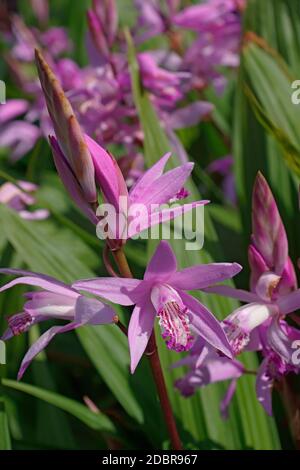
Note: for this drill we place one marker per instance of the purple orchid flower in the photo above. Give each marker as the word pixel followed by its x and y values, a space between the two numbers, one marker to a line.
pixel 207 366
pixel 162 293
pixel 153 188
pixel 274 295
pixel 273 279
pixel 218 25
pixel 18 200
pixel 56 301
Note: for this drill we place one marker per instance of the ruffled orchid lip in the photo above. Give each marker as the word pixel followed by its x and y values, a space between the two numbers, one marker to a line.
pixel 20 322
pixel 173 318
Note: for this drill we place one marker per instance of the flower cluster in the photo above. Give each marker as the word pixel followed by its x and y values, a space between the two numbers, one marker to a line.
pixel 101 93
pixel 84 110
pixel 261 324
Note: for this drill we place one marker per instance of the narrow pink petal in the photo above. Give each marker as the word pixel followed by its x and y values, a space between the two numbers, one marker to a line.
pixel 149 177
pixel 42 343
pixel 107 175
pixel 166 186
pixel 93 311
pixel 289 303
pixel 118 290
pixel 281 339
pixel 264 387
pixel 39 280
pixel 224 405
pixel 206 325
pixel 233 293
pixel 158 217
pixel 257 265
pixel 139 331
pixel 269 234
pixel 70 182
pixel 288 280
pixel 162 264
pixel 201 276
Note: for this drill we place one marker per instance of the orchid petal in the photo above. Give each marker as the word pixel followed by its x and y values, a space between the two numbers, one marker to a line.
pixel 70 182
pixel 166 186
pixel 93 312
pixel 264 386
pixel 289 303
pixel 151 219
pixel 227 398
pixel 149 177
pixel 201 276
pixel 115 289
pixel 162 264
pixel 232 292
pixel 269 234
pixel 139 331
pixel 282 341
pixel 40 280
pixel 206 325
pixel 42 343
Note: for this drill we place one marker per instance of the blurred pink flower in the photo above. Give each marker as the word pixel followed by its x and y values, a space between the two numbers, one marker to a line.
pixel 19 199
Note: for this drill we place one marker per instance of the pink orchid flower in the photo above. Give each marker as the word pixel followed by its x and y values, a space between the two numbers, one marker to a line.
pixel 274 295
pixel 83 165
pixel 18 200
pixel 56 301
pixel 162 293
pixel 207 366
pixel 273 277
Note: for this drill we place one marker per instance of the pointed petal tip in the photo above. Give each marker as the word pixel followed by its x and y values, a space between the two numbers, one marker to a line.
pixel 237 267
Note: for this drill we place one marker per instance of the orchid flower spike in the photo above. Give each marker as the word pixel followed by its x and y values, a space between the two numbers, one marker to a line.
pixel 74 161
pixel 271 267
pixel 56 301
pixel 273 283
pixel 162 294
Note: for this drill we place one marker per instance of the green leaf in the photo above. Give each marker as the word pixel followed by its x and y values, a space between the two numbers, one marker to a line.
pixel 5 443
pixel 273 104
pixel 96 421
